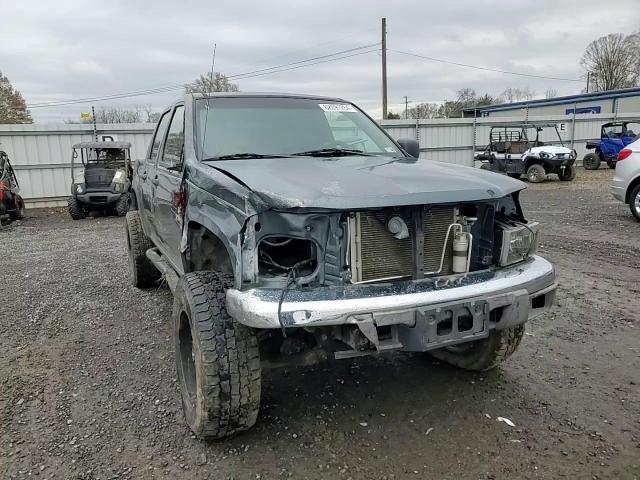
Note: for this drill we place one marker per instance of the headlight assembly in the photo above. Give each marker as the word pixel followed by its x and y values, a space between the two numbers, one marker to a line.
pixel 79 189
pixel 119 177
pixel 516 241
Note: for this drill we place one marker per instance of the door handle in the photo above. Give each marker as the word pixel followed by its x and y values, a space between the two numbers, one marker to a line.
pixel 155 181
pixel 143 175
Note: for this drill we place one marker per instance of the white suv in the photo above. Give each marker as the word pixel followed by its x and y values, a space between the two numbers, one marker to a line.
pixel 626 181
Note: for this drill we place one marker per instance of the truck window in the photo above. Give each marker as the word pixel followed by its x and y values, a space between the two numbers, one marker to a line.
pixel 172 152
pixel 162 127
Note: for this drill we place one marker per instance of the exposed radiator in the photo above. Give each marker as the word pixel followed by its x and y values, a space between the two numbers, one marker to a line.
pixel 375 254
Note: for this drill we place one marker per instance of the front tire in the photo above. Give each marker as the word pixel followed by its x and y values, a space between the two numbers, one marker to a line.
pixel 19 212
pixel 123 205
pixel 568 174
pixel 484 354
pixel 217 358
pixel 634 202
pixel 536 173
pixel 141 271
pixel 76 209
pixel 591 161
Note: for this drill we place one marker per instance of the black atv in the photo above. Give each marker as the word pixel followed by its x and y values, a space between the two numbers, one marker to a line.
pixel 101 178
pixel 11 203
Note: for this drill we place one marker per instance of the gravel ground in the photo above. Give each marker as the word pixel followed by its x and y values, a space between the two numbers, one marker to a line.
pixel 89 388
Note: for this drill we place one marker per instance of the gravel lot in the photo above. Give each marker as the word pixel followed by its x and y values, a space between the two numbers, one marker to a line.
pixel 89 389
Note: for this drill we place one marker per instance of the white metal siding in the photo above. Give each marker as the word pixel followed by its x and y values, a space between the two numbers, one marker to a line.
pixel 41 155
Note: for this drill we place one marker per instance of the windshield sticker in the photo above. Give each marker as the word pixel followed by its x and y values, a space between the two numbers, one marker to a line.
pixel 337 107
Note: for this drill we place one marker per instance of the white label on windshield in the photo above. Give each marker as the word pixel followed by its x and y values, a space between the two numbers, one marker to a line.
pixel 337 107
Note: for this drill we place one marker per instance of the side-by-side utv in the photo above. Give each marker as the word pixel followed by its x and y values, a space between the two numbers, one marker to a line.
pixel 101 178
pixel 11 203
pixel 513 150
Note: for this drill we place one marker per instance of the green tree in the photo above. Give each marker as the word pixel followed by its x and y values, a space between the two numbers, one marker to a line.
pixel 13 108
pixel 205 84
pixel 393 116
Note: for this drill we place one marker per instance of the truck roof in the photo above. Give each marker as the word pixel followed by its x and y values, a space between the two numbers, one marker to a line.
pixel 266 94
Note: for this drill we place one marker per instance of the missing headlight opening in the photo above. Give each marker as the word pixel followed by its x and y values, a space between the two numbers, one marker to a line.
pixel 277 256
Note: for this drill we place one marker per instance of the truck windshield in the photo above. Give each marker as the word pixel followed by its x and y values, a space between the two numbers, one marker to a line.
pixel 239 126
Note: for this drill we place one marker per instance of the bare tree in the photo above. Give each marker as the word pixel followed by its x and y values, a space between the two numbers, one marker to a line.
pixel 205 84
pixel 612 62
pixel 511 94
pixel 137 114
pixel 550 93
pixel 13 108
pixel 393 116
pixel 423 110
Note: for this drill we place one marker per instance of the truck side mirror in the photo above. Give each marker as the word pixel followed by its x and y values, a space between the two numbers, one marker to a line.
pixel 410 146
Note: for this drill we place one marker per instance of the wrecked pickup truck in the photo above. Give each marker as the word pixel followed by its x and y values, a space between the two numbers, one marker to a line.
pixel 293 229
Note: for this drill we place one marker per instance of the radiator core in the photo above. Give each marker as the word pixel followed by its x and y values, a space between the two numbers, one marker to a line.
pixel 375 254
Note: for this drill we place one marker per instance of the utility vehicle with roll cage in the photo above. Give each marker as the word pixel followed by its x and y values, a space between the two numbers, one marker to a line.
pixel 292 229
pixel 614 136
pixel 510 150
pixel 11 203
pixel 101 178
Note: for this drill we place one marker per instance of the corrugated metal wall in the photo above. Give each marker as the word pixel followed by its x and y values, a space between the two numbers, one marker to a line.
pixel 452 140
pixel 41 155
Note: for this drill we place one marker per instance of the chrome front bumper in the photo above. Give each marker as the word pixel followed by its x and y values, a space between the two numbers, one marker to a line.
pixel 523 291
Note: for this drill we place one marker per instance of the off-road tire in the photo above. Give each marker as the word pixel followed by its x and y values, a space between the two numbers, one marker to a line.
pixel 141 271
pixel 76 209
pixel 634 202
pixel 569 174
pixel 217 358
pixel 484 354
pixel 123 205
pixel 591 161
pixel 515 175
pixel 18 213
pixel 611 164
pixel 536 173
pixel 485 166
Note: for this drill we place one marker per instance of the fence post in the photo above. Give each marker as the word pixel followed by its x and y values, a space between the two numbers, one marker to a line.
pixel 573 125
pixel 473 148
pixel 418 131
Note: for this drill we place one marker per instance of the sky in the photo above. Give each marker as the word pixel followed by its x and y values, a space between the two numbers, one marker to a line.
pixel 74 49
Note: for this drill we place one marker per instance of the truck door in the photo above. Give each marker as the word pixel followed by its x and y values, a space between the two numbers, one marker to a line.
pixel 146 172
pixel 168 177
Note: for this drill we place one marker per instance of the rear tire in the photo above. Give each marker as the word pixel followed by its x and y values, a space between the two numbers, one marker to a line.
pixel 76 209
pixel 485 166
pixel 611 164
pixel 123 205
pixel 591 161
pixel 536 173
pixel 568 175
pixel 217 358
pixel 141 271
pixel 634 202
pixel 515 175
pixel 484 354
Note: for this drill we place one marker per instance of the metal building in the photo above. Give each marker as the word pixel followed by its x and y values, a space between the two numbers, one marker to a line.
pixel 610 102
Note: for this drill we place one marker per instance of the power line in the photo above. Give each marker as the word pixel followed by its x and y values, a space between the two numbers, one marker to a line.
pixel 424 57
pixel 340 55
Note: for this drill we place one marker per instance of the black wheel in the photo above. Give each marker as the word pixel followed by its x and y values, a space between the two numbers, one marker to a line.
pixel 634 202
pixel 141 271
pixel 483 354
pixel 76 209
pixel 123 205
pixel 536 173
pixel 217 358
pixel 567 174
pixel 611 164
pixel 515 175
pixel 591 161
pixel 485 166
pixel 19 212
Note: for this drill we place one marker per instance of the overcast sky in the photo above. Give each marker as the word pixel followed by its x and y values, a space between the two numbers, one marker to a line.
pixel 68 49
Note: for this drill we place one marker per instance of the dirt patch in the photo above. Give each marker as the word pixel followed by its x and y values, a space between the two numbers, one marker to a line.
pixel 89 388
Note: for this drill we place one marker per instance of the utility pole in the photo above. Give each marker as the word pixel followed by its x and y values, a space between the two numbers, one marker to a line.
pixel 406 107
pixel 384 68
pixel 588 75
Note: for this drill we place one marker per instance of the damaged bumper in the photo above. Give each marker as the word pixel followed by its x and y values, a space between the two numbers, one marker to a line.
pixel 520 292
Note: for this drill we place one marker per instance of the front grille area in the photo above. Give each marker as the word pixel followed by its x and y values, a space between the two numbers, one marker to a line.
pixel 376 254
